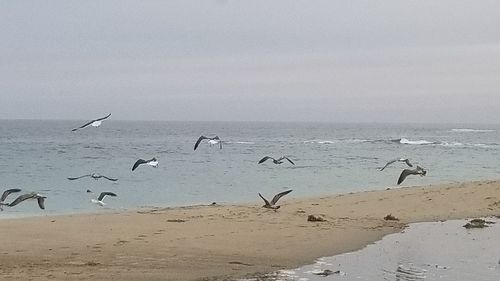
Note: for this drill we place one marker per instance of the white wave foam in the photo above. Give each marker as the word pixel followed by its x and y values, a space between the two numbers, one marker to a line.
pixel 452 144
pixel 320 141
pixel 242 142
pixel 418 142
pixel 466 130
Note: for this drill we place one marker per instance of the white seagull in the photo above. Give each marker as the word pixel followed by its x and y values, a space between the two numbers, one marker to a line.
pixel 95 176
pixel 153 162
pixel 272 204
pixel 406 160
pixel 94 123
pixel 28 196
pixel 406 172
pixel 101 197
pixel 276 161
pixel 211 141
pixel 6 193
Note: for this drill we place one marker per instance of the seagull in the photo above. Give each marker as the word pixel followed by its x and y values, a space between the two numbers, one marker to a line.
pixel 275 200
pixel 7 193
pixel 406 160
pixel 211 141
pixel 406 172
pixel 28 196
pixel 101 197
pixel 94 123
pixel 95 176
pixel 151 162
pixel 278 161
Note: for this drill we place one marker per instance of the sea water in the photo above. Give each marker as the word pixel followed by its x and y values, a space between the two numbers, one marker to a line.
pixel 330 159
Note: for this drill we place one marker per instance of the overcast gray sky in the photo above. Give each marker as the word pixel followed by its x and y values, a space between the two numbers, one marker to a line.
pixel 334 61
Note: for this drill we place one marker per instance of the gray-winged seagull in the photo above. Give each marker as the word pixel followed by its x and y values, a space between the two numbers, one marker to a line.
pixel 276 161
pixel 406 172
pixel 211 141
pixel 272 204
pixel 6 193
pixel 153 162
pixel 407 161
pixel 95 176
pixel 28 196
pixel 94 123
pixel 101 197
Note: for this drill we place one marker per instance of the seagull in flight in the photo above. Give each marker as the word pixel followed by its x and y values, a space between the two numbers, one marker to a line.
pixel 101 197
pixel 95 176
pixel 94 123
pixel 28 196
pixel 211 141
pixel 406 172
pixel 272 204
pixel 153 162
pixel 276 161
pixel 405 160
pixel 7 193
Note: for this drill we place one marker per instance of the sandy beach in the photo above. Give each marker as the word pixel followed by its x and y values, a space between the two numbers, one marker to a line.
pixel 222 242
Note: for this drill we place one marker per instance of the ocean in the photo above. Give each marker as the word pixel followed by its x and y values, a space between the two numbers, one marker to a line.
pixel 330 159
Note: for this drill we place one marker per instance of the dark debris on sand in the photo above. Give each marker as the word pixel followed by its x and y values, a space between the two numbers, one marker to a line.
pixel 315 218
pixel 477 223
pixel 390 217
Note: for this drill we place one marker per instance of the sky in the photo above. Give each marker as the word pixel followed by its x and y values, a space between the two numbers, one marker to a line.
pixel 422 61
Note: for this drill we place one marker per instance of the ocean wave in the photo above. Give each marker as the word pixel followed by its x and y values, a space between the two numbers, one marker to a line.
pixel 240 142
pixel 320 141
pixel 415 142
pixel 466 130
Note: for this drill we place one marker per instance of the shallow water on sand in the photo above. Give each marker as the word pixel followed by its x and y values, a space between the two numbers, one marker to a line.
pixel 330 159
pixel 424 251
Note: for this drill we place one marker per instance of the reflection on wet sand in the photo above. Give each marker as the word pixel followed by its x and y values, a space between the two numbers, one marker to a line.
pixel 424 251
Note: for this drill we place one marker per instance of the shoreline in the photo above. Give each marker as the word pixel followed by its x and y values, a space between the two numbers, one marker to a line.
pixel 225 241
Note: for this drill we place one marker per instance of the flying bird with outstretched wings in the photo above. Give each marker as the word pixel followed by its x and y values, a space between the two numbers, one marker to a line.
pixel 94 123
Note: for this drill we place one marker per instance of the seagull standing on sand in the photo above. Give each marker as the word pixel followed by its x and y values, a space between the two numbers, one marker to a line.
pixel 272 204
pixel 28 196
pixel 407 161
pixel 211 141
pixel 101 197
pixel 406 172
pixel 6 193
pixel 276 161
pixel 95 176
pixel 151 162
pixel 94 123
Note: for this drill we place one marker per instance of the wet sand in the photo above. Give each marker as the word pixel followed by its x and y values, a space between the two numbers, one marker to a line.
pixel 224 241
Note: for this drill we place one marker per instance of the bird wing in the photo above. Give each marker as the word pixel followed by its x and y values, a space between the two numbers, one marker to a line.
pixel 111 179
pixel 404 174
pixel 8 192
pixel 41 202
pixel 21 199
pixel 72 179
pixel 198 141
pixel 101 196
pixel 139 162
pixel 90 122
pixel 407 161
pixel 284 157
pixel 279 195
pixel 100 119
pixel 265 200
pixel 265 159
pixel 388 163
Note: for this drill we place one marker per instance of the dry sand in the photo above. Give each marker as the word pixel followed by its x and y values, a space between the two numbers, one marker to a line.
pixel 224 241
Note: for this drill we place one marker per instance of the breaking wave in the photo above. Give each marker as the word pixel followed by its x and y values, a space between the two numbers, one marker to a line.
pixel 415 142
pixel 471 130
